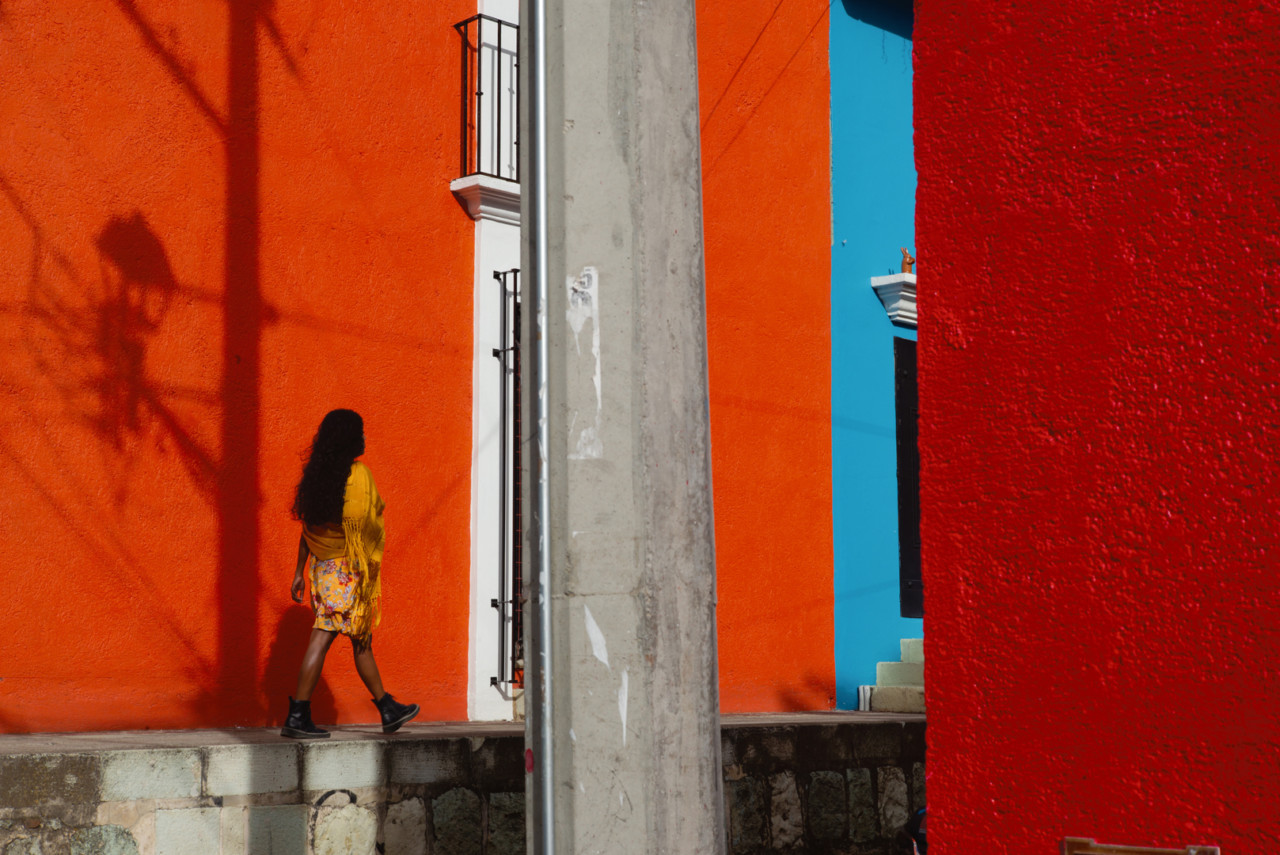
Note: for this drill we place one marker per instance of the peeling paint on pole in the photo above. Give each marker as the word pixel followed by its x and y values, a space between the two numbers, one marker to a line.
pixel 635 744
pixel 583 309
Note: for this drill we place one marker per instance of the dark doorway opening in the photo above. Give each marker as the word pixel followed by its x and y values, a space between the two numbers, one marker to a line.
pixel 906 404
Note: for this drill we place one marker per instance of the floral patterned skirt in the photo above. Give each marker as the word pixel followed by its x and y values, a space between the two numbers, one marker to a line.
pixel 333 594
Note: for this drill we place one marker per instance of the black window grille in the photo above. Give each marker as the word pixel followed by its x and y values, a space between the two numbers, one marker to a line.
pixel 906 404
pixel 510 568
pixel 490 97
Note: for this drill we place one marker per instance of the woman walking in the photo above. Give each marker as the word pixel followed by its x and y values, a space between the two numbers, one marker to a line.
pixel 342 534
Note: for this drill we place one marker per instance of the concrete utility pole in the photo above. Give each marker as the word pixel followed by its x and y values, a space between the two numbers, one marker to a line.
pixel 626 739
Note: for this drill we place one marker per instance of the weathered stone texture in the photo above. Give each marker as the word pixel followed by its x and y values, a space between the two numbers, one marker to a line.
pixel 280 830
pixel 194 831
pixel 841 788
pixel 786 819
pixel 347 830
pixel 863 809
pixel 892 786
pixel 498 762
pixel 917 786
pixel 24 846
pixel 879 743
pixel 405 831
pixel 235 831
pixel 103 840
pixel 151 774
pixel 779 747
pixel 828 814
pixel 234 770
pixel 745 798
pixel 506 824
pixel 438 761
pixel 343 766
pixel 58 784
pixel 455 815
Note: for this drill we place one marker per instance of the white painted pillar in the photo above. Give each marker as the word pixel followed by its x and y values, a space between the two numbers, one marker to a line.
pixel 494 203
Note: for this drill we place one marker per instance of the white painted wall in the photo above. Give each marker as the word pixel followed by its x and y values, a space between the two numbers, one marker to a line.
pixel 507 10
pixel 494 203
pixel 497 248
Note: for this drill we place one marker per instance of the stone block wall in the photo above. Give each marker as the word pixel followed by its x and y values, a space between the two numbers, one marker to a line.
pixel 846 788
pixel 816 783
pixel 400 795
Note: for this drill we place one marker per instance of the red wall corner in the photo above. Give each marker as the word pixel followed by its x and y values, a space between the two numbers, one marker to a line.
pixel 1097 212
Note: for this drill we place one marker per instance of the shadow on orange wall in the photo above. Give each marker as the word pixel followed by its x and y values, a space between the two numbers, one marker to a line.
pixel 212 240
pixel 98 358
pixel 238 497
pixel 281 671
pixel 140 287
pixel 235 474
pixel 812 692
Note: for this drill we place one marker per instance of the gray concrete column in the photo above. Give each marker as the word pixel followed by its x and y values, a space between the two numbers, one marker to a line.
pixel 635 711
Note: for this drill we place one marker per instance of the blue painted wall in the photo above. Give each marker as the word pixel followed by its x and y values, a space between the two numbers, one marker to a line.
pixel 873 199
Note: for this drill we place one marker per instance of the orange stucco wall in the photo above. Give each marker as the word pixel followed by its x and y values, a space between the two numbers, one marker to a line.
pixel 219 220
pixel 764 90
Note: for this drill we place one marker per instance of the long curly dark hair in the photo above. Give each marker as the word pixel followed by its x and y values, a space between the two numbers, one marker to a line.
pixel 338 442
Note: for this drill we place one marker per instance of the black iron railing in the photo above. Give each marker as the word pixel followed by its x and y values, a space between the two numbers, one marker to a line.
pixel 510 519
pixel 490 97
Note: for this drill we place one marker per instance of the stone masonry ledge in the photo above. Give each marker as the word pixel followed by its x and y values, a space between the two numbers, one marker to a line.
pixel 832 782
pixel 126 740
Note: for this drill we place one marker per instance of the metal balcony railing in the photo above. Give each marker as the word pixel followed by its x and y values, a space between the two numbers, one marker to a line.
pixel 490 97
pixel 510 600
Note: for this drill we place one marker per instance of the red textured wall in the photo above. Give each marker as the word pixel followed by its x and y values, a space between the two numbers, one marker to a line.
pixel 1098 213
pixel 218 221
pixel 764 94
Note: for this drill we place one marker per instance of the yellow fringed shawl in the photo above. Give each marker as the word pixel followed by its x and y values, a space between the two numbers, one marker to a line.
pixel 361 540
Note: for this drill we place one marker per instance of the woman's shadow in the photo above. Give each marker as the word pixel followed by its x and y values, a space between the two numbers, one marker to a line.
pixel 281 673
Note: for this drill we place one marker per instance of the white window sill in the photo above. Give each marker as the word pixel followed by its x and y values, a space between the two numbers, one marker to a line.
pixel 486 197
pixel 897 293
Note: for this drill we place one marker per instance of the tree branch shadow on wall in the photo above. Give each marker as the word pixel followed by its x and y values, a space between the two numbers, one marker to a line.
pixel 114 393
pixel 810 693
pixel 93 357
pixel 140 287
pixel 98 365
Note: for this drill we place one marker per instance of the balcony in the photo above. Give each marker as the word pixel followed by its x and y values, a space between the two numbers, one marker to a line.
pixel 489 165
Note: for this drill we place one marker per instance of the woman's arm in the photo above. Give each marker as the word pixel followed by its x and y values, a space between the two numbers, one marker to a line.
pixel 297 588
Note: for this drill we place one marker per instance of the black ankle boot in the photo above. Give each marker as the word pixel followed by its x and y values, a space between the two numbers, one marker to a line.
pixel 394 713
pixel 299 724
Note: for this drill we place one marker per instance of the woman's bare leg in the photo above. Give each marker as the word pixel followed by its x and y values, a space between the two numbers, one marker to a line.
pixel 367 668
pixel 313 662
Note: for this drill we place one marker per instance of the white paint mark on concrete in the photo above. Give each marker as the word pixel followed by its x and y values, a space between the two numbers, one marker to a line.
pixel 573 737
pixel 622 706
pixel 597 638
pixel 584 305
pixel 589 446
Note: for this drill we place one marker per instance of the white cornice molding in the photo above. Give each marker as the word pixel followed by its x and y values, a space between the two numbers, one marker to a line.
pixel 486 197
pixel 897 292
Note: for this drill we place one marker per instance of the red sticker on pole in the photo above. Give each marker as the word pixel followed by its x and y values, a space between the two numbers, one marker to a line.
pixel 528 759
